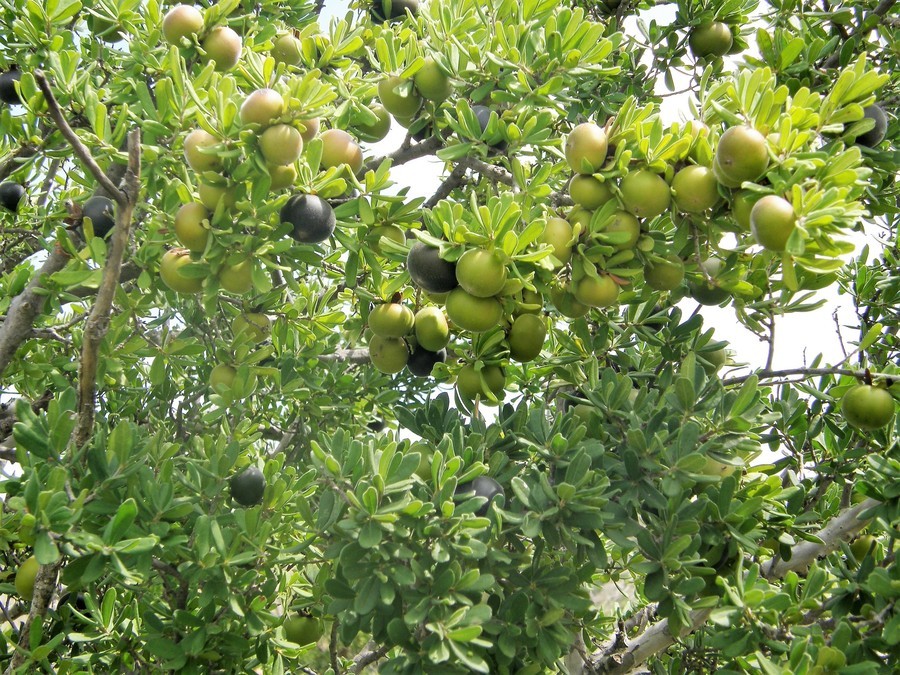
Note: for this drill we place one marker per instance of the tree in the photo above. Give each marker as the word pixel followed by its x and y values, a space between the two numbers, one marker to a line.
pixel 208 340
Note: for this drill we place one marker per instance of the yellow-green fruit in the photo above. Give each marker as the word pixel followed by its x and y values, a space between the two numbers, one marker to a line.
pixel 338 148
pixel 238 277
pixel 222 46
pixel 741 205
pixel 398 96
pixel 710 39
pixel 281 144
pixel 221 378
pixel 170 267
pixel 526 337
pixel 287 49
pixel 696 189
pixel 190 226
pixel 473 313
pixel 378 129
pixel 310 129
pixel 558 234
pixel 180 22
pixel 210 195
pixel 481 273
pixel 664 275
pixel 588 192
pixel 303 630
pixel 712 362
pixel 596 292
pixel 742 154
pixel 772 220
pixel 282 176
pixel 262 107
pixel 717 469
pixel 586 148
pixel 867 407
pixel 862 546
pixel 194 144
pixel 431 82
pixel 624 222
pixel 469 384
pixel 25 578
pixel 391 319
pixel 432 331
pixel 388 354
pixel 567 304
pixel 253 326
pixel 392 232
pixel 645 194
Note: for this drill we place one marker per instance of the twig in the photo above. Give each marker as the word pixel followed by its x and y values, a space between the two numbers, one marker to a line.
pixel 368 657
pixel 861 31
pixel 490 171
pixel 405 154
pixel 333 647
pixel 770 338
pixel 766 374
pixel 450 183
pixel 9 165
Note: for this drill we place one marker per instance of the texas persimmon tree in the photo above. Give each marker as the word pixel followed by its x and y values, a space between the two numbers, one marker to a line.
pixel 266 411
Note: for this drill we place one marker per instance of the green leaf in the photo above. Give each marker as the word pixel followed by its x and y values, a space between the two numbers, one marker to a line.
pixel 121 522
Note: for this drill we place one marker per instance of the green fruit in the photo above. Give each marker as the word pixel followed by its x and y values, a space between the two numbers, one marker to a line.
pixel 237 277
pixel 388 354
pixel 664 275
pixel 862 545
pixel 586 148
pixel 221 378
pixel 180 22
pixel 708 292
pixel 170 267
pixel 772 220
pixel 580 216
pixel 741 204
pixel 194 145
pixel 867 407
pixel 303 630
pixel 282 176
pixel 473 313
pixel 262 107
pixel 624 222
pixel 388 10
pixel 222 46
pixel 253 326
pixel 596 292
pixel 398 96
pixel 339 148
pixel 311 128
pixel 191 227
pixel 248 488
pixel 712 361
pixel 588 192
pixel 558 234
pixel 717 469
pixel 25 576
pixel 469 384
pixel 696 189
pixel 481 273
pixel 526 337
pixel 281 144
pixel 710 39
pixel 645 194
pixel 378 129
pixel 567 304
pixel 432 330
pixel 391 319
pixel 210 195
pixel 431 82
pixel 287 49
pixel 742 154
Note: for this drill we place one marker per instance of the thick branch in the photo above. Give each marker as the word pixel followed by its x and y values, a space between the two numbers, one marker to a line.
pixel 77 146
pixel 451 182
pixel 804 372
pixel 98 323
pixel 353 356
pixel 405 154
pixel 492 172
pixel 44 586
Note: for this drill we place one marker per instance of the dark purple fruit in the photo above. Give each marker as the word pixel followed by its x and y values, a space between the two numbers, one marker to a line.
pixel 8 93
pixel 101 211
pixel 421 361
pixel 483 486
pixel 429 271
pixel 483 115
pixel 875 135
pixel 388 10
pixel 311 216
pixel 11 195
pixel 247 488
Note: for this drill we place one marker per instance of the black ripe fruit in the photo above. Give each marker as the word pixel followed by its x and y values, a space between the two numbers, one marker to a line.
pixel 8 93
pixel 421 361
pixel 483 486
pixel 429 271
pixel 247 488
pixel 384 10
pixel 11 195
pixel 875 135
pixel 483 115
pixel 101 211
pixel 311 216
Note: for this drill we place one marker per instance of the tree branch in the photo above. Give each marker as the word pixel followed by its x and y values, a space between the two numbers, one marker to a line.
pixel 352 356
pixel 44 587
pixel 862 30
pixel 10 164
pixel 450 183
pixel 804 372
pixel 368 657
pixel 405 154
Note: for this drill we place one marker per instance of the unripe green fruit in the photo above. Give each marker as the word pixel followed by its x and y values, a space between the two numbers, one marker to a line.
pixel 262 107
pixel 473 313
pixel 282 176
pixel 645 194
pixel 588 192
pixel 396 102
pixel 25 577
pixel 469 384
pixel 742 154
pixel 253 325
pixel 567 304
pixel 558 234
pixel 596 292
pixel 221 378
pixel 238 277
pixel 526 337
pixel 741 204
pixel 481 273
pixel 431 82
pixel 711 39
pixel 303 630
pixel 388 354
pixel 627 223
pixel 338 148
pixel 432 331
pixel 772 220
pixel 287 49
pixel 170 272
pixel 378 129
pixel 210 195
pixel 198 160
pixel 696 189
pixel 867 407
pixel 664 275
pixel 189 227
pixel 222 46
pixel 180 22
pixel 281 144
pixel 391 319
pixel 586 148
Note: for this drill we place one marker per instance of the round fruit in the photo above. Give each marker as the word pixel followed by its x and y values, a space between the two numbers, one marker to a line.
pixel 377 130
pixel 398 96
pixel 222 46
pixel 303 630
pixel 8 92
pixel 422 361
pixel 481 273
pixel 194 145
pixel 25 576
pixel 311 129
pixel 862 545
pixel 483 115
pixel 708 292
pixel 696 189
pixel 664 275
pixel 717 469
pixel 429 271
pixel 311 216
pixel 469 383
pixel 388 354
pixel 171 273
pixel 875 135
pixel 586 148
pixel 253 325
pixel 221 378
pixel 210 195
pixel 566 303
pixel 867 407
pixel 262 107
pixel 11 195
pixel 431 82
pixel 772 220
pixel 386 10
pixel 339 148
pixel 248 488
pixel 645 194
pixel 190 229
pixel 238 277
pixel 710 39
pixel 391 319
pixel 712 362
pixel 627 223
pixel 588 192
pixel 596 292
pixel 392 232
pixel 742 154
pixel 281 144
pixel 101 211
pixel 741 204
pixel 473 313
pixel 180 22
pixel 432 331
pixel 558 234
pixel 526 337
pixel 287 49
pixel 282 176
pixel 484 487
